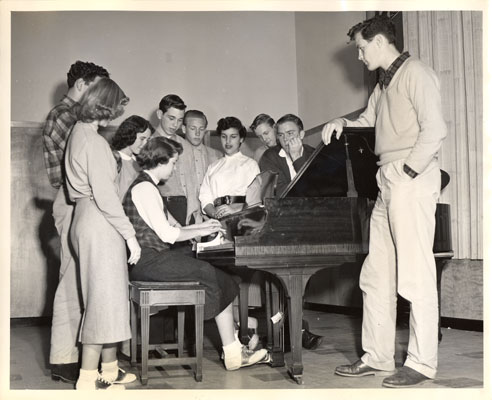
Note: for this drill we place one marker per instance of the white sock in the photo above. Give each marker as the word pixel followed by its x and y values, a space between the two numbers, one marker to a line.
pixel 252 323
pixel 232 349
pixel 109 370
pixel 87 377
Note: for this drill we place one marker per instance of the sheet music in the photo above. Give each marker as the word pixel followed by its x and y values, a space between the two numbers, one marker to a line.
pixel 218 241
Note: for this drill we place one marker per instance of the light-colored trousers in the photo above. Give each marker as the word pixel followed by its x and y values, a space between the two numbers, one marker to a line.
pixel 67 311
pixel 401 261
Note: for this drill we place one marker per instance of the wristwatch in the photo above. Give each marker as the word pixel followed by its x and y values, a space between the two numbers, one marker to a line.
pixel 409 171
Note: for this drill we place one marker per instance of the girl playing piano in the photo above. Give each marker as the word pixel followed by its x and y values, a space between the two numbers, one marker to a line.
pixel 157 230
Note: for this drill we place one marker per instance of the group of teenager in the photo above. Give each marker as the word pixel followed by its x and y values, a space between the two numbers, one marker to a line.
pixel 123 204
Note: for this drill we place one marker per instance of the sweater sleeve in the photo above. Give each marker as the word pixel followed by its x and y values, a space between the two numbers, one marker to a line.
pixel 425 96
pixel 368 116
pixel 269 162
pixel 302 160
pixel 101 173
pixel 205 195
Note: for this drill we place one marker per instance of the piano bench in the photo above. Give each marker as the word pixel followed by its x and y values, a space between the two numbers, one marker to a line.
pixel 144 295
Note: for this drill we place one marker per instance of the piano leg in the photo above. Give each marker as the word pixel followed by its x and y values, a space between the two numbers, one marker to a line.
pixel 273 307
pixel 243 300
pixel 268 311
pixel 295 284
pixel 243 312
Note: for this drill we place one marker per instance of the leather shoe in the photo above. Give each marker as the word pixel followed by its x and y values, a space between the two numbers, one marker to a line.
pixel 311 341
pixel 405 377
pixel 358 369
pixel 65 372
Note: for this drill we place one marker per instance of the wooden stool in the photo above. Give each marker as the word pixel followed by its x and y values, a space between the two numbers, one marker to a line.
pixel 143 295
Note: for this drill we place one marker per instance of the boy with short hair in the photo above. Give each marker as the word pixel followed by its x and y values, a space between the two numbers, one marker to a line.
pixel 405 109
pixel 170 114
pixel 197 157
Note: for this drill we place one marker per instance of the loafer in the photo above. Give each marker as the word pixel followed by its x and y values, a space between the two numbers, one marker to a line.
pixel 310 341
pixel 405 377
pixel 65 372
pixel 359 369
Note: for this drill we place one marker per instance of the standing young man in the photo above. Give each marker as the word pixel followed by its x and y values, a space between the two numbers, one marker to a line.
pixel 405 109
pixel 197 157
pixel 171 114
pixel 67 313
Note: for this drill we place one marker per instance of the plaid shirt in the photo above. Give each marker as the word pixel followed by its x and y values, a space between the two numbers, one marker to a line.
pixel 58 126
pixel 386 76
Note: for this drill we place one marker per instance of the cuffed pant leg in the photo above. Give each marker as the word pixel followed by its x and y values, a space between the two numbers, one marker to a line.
pixel 378 285
pixel 412 215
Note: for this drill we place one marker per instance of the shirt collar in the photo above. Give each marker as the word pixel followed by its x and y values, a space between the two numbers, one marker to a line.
pixel 235 155
pixel 283 154
pixel 152 176
pixel 386 76
pixel 160 132
pixel 126 156
pixel 68 100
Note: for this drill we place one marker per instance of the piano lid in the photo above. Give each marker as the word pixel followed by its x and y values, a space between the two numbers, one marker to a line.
pixel 324 174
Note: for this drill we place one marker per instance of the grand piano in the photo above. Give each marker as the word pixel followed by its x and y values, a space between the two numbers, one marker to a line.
pixel 320 220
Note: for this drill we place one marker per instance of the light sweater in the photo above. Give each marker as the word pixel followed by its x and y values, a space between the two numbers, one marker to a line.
pixel 91 172
pixel 407 116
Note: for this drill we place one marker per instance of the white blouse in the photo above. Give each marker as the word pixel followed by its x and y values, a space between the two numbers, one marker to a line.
pixel 229 175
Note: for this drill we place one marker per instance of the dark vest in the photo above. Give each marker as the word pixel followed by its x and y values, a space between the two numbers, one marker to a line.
pixel 145 235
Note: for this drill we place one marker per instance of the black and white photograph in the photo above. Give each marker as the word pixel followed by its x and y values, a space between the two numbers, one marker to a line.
pixel 240 198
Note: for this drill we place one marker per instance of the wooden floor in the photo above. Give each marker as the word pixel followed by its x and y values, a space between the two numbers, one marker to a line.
pixel 460 361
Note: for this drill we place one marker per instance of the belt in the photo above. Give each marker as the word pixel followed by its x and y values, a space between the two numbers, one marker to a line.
pixel 229 200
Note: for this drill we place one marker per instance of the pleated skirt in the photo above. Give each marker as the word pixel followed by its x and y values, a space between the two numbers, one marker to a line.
pixel 103 271
pixel 180 265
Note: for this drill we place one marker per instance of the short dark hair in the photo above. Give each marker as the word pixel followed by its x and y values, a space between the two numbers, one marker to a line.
pixel 126 134
pixel 371 27
pixel 104 100
pixel 291 118
pixel 231 122
pixel 158 150
pixel 171 100
pixel 86 70
pixel 261 119
pixel 194 114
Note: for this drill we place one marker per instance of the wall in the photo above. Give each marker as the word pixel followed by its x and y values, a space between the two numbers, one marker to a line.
pixel 224 63
pixel 330 78
pixel 227 63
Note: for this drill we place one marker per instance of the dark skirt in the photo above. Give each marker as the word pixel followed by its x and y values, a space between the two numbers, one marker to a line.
pixel 180 265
